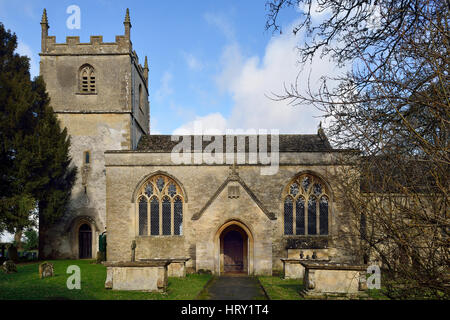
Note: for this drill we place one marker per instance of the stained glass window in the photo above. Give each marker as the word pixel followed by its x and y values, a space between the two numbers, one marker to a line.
pixel 149 190
pixel 178 216
pixel 309 194
pixel 166 218
pixel 300 216
pixel 172 190
pixel 154 216
pixel 160 183
pixel 306 182
pixel 312 223
pixel 143 217
pixel 288 216
pixel 317 189
pixel 294 189
pixel 166 206
pixel 323 215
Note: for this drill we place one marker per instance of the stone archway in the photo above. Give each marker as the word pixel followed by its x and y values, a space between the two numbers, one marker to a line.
pixel 234 245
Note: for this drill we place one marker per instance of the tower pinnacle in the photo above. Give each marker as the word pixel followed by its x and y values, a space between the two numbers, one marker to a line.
pixel 127 24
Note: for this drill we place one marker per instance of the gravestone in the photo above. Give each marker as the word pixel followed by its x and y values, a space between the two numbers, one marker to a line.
pixel 9 266
pixel 46 270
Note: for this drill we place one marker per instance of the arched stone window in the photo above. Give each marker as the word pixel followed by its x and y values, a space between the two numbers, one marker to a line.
pixel 306 206
pixel 87 80
pixel 160 207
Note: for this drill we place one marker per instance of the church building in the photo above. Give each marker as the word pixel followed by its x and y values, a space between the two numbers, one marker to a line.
pixel 222 216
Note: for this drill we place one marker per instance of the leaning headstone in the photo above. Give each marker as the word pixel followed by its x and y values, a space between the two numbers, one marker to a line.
pixel 46 270
pixel 9 266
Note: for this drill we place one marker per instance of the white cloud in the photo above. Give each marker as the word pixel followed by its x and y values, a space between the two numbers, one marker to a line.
pixel 165 88
pixel 192 62
pixel 213 123
pixel 24 50
pixel 251 81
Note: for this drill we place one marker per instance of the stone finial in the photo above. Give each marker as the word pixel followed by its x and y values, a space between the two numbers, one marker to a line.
pixel 321 132
pixel 127 24
pixel 127 16
pixel 44 19
pixel 44 31
pixel 146 70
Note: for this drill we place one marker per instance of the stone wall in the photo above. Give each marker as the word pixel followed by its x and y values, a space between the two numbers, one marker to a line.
pixel 113 117
pixel 211 208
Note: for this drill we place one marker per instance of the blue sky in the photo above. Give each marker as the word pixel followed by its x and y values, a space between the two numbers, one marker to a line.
pixel 210 61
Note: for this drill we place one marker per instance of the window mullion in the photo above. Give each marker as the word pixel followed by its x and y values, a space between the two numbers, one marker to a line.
pixel 148 216
pixel 305 210
pixel 318 216
pixel 294 216
pixel 172 222
pixel 160 216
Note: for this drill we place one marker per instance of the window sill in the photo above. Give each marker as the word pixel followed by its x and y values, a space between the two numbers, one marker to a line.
pixel 162 236
pixel 86 93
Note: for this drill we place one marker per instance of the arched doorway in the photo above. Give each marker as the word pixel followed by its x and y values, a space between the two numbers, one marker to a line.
pixel 85 241
pixel 234 250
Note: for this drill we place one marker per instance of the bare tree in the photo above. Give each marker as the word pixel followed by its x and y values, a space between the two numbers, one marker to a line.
pixel 394 106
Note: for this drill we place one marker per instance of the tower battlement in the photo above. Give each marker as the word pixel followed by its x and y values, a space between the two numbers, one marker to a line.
pixel 96 46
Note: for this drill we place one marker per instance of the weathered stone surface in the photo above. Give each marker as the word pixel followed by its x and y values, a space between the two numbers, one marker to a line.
pixel 333 278
pixel 151 278
pixel 127 171
pixel 293 269
pixel 287 143
pixel 177 268
pixel 46 270
pixel 9 266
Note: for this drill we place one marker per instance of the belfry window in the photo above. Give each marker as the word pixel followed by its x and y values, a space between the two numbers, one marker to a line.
pixel 87 80
pixel 160 207
pixel 306 207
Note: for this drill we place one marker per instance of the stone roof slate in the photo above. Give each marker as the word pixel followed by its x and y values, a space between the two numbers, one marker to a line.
pixel 287 143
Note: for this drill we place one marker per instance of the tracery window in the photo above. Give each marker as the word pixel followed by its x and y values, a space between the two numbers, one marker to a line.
pixel 87 80
pixel 306 207
pixel 160 207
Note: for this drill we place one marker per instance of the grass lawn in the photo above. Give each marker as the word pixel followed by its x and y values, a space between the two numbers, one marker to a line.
pixel 282 289
pixel 25 284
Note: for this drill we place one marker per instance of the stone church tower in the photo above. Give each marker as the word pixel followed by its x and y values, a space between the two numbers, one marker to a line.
pixel 99 92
